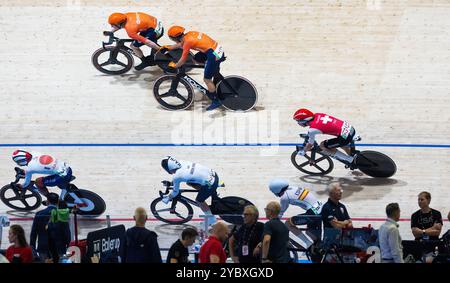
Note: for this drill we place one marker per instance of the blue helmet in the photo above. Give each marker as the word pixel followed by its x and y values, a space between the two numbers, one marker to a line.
pixel 276 186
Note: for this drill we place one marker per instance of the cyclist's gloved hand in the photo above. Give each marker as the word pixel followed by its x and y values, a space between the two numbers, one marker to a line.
pixel 164 49
pixel 172 65
pixel 167 183
pixel 166 199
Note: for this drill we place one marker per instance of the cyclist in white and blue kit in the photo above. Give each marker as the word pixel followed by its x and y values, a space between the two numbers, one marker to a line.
pixel 195 175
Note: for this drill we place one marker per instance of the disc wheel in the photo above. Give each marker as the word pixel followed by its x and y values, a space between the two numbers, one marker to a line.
pixel 375 164
pixel 237 93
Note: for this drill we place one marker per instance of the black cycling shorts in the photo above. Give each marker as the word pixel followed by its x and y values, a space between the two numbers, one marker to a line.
pixel 340 141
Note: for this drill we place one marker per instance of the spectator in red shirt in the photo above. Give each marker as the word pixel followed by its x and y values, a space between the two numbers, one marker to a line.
pixel 212 250
pixel 19 251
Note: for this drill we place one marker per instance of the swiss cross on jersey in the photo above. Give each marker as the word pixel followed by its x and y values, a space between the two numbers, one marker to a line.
pixel 328 124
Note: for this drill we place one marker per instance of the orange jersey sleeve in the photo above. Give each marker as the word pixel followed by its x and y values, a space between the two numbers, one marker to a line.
pixel 137 22
pixel 199 41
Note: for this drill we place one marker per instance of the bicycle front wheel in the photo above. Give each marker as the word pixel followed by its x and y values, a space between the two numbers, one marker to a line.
pixel 20 200
pixel 176 213
pixel 322 164
pixel 173 93
pixel 104 62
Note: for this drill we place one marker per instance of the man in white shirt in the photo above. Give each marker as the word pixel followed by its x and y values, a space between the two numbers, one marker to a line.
pixel 389 236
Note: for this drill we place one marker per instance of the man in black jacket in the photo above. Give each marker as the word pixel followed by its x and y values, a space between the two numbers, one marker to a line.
pixel 141 243
pixel 39 233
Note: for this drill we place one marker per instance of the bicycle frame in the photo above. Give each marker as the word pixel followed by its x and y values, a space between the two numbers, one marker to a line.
pixel 61 196
pixel 217 78
pixel 316 148
pixel 181 197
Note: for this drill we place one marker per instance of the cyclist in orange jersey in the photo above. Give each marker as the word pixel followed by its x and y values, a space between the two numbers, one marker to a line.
pixel 144 29
pixel 210 53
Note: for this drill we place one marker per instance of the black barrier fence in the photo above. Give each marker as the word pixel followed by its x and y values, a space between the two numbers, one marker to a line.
pixel 104 240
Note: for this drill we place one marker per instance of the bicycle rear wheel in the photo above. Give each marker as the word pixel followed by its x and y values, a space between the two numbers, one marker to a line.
pixel 230 209
pixel 173 93
pixel 95 205
pixel 177 212
pixel 322 163
pixel 237 93
pixel 375 164
pixel 103 61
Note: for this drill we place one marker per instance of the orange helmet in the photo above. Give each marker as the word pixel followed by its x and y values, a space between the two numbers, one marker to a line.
pixel 116 19
pixel 176 31
pixel 303 115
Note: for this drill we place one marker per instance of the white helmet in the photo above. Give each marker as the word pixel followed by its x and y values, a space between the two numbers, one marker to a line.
pixel 21 157
pixel 277 185
pixel 170 164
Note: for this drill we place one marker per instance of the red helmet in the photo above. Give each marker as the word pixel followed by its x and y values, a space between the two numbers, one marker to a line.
pixel 21 157
pixel 303 115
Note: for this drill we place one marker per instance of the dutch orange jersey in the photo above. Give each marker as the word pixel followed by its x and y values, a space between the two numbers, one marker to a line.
pixel 197 41
pixel 137 22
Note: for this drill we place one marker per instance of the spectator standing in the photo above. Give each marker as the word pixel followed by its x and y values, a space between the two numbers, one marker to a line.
pixel 19 251
pixel 141 243
pixel 389 236
pixel 39 234
pixel 178 252
pixel 58 230
pixel 426 223
pixel 212 250
pixel 275 236
pixel 334 213
pixel 245 244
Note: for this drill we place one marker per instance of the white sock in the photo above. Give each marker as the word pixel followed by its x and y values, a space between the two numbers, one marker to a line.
pixel 342 156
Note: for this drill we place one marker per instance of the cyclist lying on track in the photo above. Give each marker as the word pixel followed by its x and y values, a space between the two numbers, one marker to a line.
pixel 304 198
pixel 144 29
pixel 58 172
pixel 197 176
pixel 320 123
pixel 210 53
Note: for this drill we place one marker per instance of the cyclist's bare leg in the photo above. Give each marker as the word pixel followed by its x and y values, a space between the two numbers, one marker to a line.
pixel 347 150
pixel 209 217
pixel 327 151
pixel 39 185
pixel 137 51
pixel 210 85
pixel 335 153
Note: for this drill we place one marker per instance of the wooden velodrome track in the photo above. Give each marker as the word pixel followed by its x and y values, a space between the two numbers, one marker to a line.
pixel 382 65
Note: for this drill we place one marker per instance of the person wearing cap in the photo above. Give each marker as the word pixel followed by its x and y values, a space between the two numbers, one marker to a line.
pixel 39 235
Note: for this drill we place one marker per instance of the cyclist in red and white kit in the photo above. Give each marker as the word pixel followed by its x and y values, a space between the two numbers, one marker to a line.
pixel 59 173
pixel 320 123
